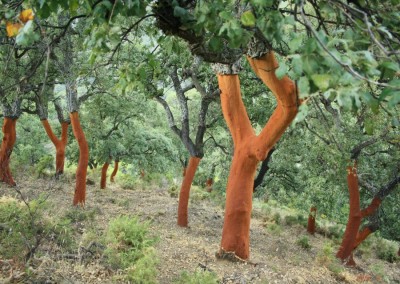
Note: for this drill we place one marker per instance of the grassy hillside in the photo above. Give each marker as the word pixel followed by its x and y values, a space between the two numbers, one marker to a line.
pixel 128 234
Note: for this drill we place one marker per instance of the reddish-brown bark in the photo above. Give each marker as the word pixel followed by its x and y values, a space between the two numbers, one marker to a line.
pixel 185 191
pixel 209 184
pixel 352 237
pixel 184 171
pixel 250 149
pixel 103 180
pixel 311 220
pixel 60 144
pixel 114 173
pixel 7 145
pixel 354 221
pixel 80 188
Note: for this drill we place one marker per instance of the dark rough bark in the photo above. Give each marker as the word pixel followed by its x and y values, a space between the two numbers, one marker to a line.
pixel 263 170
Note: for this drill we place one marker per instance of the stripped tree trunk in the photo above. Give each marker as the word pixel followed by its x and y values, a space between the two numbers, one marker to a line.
pixel 81 171
pixel 60 144
pixel 354 220
pixel 250 149
pixel 114 173
pixel 185 190
pixel 353 236
pixel 311 220
pixel 7 145
pixel 103 180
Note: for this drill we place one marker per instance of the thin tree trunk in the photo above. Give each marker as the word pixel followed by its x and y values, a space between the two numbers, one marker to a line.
pixel 80 189
pixel 209 184
pixel 311 220
pixel 103 181
pixel 354 221
pixel 185 191
pixel 7 145
pixel 114 173
pixel 250 149
pixel 60 144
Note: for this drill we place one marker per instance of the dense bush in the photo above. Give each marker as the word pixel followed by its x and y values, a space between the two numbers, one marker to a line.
pixel 197 277
pixel 129 247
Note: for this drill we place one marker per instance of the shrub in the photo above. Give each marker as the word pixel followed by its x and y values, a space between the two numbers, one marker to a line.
pixel 127 181
pixel 78 214
pixel 386 250
pixel 291 220
pixel 274 229
pixel 144 271
pixel 173 191
pixel 197 277
pixel 304 242
pixel 46 163
pixel 127 240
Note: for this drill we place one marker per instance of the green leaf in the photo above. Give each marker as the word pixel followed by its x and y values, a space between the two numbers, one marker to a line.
pixel 248 19
pixel 369 126
pixel 304 87
pixel 281 71
pixel 295 43
pixel 321 81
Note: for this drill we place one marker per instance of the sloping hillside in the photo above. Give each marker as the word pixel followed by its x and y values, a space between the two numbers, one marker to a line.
pixel 280 253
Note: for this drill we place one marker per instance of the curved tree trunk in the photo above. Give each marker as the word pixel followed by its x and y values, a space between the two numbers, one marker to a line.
pixel 311 220
pixel 103 181
pixel 114 173
pixel 60 144
pixel 250 149
pixel 185 191
pixel 7 145
pixel 80 188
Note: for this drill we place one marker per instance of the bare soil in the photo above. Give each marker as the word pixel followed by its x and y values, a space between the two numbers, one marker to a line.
pixel 275 256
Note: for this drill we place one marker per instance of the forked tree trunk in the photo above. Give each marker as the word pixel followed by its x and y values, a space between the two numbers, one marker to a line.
pixel 311 220
pixel 80 187
pixel 7 145
pixel 60 144
pixel 354 220
pixel 115 171
pixel 103 180
pixel 185 191
pixel 352 237
pixel 250 149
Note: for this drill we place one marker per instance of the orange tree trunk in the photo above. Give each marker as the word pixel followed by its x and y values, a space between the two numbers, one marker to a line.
pixel 80 187
pixel 352 237
pixel 60 144
pixel 7 145
pixel 354 221
pixel 311 220
pixel 209 184
pixel 104 175
pixel 113 174
pixel 250 149
pixel 185 190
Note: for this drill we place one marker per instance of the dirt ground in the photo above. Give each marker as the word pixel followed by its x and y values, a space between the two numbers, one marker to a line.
pixel 275 256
